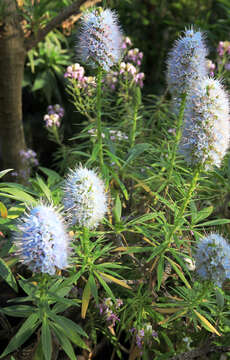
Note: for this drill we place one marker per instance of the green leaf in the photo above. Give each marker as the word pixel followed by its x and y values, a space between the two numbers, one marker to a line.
pixel 70 329
pixel 120 183
pixel 219 298
pixel 46 339
pixel 25 331
pixel 214 222
pixel 201 215
pixel 18 310
pixel 64 342
pixel 160 271
pixel 179 273
pixel 105 286
pixel 7 275
pixel 156 250
pixel 142 219
pixel 93 287
pixel 53 176
pixel 17 195
pixel 4 172
pixel 136 151
pixel 44 188
pixel 117 209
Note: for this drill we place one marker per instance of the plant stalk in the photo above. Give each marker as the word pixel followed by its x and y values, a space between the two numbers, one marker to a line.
pixel 185 203
pixel 98 107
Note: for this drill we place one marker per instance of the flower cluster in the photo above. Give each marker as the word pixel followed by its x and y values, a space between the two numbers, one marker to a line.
pixel 84 197
pixel 77 72
pixel 144 335
pixel 223 48
pixel 100 40
pixel 56 109
pixel 54 115
pixel 186 62
pixel 213 259
pixel 108 309
pixel 29 156
pixel 41 240
pixel 205 135
pixel 135 56
pixel 130 71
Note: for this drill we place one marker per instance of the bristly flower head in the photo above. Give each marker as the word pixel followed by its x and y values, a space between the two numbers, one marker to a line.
pixel 41 240
pixel 213 259
pixel 84 197
pixel 100 40
pixel 205 135
pixel 186 61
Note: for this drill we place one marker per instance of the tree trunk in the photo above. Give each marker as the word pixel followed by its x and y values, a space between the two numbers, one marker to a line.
pixel 12 59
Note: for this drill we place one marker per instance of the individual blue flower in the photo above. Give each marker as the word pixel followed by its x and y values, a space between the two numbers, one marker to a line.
pixel 100 39
pixel 186 62
pixel 41 240
pixel 84 197
pixel 206 130
pixel 213 259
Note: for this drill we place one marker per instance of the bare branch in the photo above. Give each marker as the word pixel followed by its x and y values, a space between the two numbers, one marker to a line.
pixel 75 8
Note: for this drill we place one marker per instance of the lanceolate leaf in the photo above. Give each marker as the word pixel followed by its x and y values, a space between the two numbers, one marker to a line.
pixel 3 210
pixel 179 272
pixel 70 329
pixel 25 331
pixel 115 280
pixel 206 323
pixel 64 342
pixel 85 299
pixel 19 310
pixel 46 339
pixel 7 275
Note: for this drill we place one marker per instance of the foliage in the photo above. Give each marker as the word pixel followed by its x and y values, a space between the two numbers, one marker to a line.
pixel 131 281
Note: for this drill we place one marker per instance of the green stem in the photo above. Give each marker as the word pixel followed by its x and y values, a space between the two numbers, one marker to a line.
pixel 135 115
pixel 43 293
pixel 85 240
pixel 56 135
pixel 98 107
pixel 185 203
pixel 178 135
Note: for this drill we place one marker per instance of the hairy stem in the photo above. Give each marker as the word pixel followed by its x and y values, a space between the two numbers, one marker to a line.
pixel 185 203
pixel 98 107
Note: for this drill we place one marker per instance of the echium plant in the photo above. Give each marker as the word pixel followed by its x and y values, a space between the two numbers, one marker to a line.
pixel 186 65
pixel 100 39
pixel 42 243
pixel 100 46
pixel 84 197
pixel 205 132
pixel 206 129
pixel 186 62
pixel 213 259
